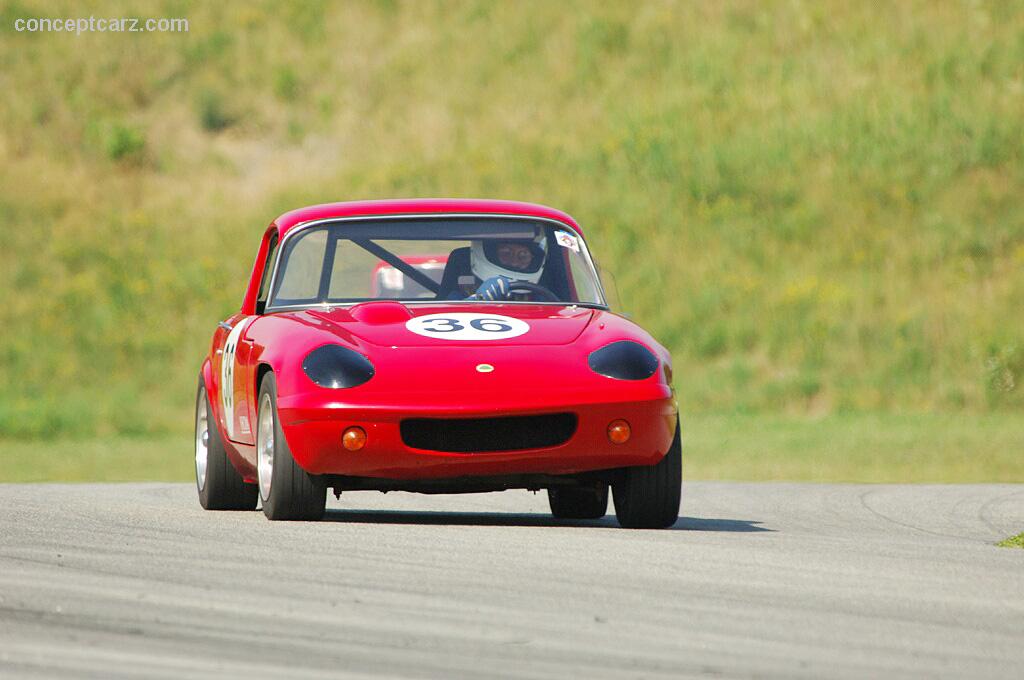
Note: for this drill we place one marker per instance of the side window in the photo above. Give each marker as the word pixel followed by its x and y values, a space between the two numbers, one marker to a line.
pixel 268 271
pixel 302 264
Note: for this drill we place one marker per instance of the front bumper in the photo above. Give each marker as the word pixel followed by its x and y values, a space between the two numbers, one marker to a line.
pixel 313 426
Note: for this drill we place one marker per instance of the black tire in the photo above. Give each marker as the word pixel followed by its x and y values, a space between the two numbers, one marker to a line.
pixel 579 502
pixel 221 487
pixel 293 493
pixel 647 497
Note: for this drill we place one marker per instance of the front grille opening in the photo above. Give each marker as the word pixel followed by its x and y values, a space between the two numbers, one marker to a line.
pixel 475 435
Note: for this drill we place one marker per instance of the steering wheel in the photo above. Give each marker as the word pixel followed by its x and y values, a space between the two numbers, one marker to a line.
pixel 534 289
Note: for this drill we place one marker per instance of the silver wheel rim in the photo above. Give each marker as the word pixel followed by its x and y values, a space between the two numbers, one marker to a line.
pixel 265 446
pixel 202 439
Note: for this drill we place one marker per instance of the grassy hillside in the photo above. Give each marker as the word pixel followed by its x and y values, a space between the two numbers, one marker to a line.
pixel 819 207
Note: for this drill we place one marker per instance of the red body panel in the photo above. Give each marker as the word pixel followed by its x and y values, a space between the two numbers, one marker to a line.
pixel 383 323
pixel 544 370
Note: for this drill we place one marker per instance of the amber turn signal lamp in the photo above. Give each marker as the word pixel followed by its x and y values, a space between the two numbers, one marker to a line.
pixel 618 431
pixel 354 438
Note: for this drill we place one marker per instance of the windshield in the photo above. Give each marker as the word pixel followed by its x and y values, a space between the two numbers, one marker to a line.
pixel 470 260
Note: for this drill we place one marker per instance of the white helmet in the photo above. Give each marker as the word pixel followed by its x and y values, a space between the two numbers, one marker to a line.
pixel 484 262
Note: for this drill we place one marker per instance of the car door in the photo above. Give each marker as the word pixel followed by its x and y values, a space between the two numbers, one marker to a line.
pixel 247 357
pixel 229 364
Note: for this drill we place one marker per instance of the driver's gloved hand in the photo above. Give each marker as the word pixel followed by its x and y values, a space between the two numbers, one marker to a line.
pixel 494 288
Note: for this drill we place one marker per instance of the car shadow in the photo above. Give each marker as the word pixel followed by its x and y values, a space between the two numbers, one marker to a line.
pixel 518 519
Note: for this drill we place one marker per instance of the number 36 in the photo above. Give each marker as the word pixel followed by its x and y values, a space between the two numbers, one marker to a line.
pixel 453 325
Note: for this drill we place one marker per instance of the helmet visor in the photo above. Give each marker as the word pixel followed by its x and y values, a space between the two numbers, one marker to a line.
pixel 518 255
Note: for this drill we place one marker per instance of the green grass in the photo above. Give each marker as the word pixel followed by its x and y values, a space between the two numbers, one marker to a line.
pixel 848 448
pixel 855 448
pixel 1012 542
pixel 115 459
pixel 817 206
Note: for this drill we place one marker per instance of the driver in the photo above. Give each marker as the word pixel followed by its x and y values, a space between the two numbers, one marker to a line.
pixel 498 263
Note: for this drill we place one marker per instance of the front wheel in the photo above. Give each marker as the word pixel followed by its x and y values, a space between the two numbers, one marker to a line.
pixel 647 497
pixel 288 492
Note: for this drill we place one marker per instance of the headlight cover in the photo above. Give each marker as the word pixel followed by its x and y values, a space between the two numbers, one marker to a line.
pixel 623 360
pixel 337 367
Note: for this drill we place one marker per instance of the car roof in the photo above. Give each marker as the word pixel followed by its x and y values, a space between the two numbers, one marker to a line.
pixel 419 206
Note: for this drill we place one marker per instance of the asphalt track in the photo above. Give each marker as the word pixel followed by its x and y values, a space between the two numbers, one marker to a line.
pixel 767 580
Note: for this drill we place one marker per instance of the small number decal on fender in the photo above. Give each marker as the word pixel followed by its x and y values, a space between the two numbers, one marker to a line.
pixel 467 326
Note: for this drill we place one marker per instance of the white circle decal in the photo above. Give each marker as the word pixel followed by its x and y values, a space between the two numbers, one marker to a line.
pixel 467 326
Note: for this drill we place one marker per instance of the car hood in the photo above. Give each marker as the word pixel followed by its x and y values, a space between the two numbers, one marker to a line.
pixel 387 323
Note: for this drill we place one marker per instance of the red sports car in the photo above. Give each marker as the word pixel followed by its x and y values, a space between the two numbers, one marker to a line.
pixel 506 371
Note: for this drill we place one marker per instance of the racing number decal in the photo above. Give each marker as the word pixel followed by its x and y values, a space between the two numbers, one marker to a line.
pixel 227 376
pixel 467 326
pixel 441 326
pixel 453 325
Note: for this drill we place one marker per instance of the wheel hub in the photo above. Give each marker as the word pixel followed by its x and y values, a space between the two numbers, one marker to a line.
pixel 202 440
pixel 265 446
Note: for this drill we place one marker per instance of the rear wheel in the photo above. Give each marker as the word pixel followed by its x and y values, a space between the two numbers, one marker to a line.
pixel 288 492
pixel 647 497
pixel 574 502
pixel 218 482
